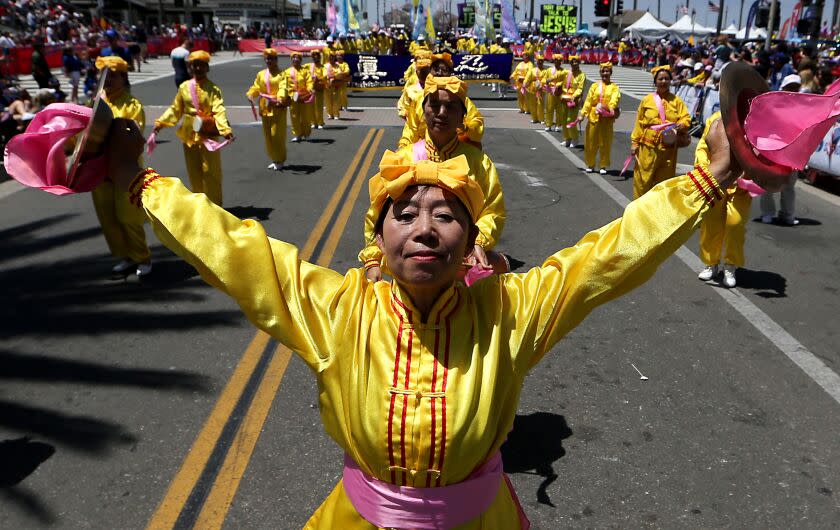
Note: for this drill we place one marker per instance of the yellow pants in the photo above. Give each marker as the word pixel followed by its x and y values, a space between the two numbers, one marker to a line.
pixel 521 100
pixel 598 140
pixel 204 169
pixel 333 102
pixel 552 110
pixel 318 109
pixel 301 125
pixel 723 230
pixel 343 91
pixel 531 102
pixel 567 115
pixel 274 132
pixel 122 223
pixel 539 106
pixel 655 165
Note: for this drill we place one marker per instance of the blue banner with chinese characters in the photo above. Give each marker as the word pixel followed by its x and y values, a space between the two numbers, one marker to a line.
pixel 373 72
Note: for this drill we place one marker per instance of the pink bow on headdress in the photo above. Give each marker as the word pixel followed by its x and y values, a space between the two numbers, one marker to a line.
pixel 786 127
pixel 36 157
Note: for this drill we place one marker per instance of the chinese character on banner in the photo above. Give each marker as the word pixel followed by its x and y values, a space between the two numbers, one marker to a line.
pixel 471 64
pixel 369 68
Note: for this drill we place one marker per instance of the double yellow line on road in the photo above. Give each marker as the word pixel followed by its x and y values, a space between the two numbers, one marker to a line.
pixel 203 490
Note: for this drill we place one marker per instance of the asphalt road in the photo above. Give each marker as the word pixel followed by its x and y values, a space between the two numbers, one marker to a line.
pixel 115 381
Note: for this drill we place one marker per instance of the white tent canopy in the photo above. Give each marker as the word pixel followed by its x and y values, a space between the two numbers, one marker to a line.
pixel 755 33
pixel 731 30
pixel 685 28
pixel 647 28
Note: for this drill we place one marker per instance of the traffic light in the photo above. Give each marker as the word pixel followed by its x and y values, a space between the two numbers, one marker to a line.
pixel 602 8
pixel 619 7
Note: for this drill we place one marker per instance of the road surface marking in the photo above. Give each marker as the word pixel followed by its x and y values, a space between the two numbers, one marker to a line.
pixel 221 497
pixel 170 509
pixel 761 321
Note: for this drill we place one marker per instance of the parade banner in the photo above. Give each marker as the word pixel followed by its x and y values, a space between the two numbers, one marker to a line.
pixel 466 17
pixel 375 72
pixel 283 46
pixel 558 19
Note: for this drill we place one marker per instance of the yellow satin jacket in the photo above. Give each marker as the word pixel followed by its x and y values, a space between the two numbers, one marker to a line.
pixel 211 102
pixel 414 402
pixel 612 96
pixel 648 114
pixel 277 88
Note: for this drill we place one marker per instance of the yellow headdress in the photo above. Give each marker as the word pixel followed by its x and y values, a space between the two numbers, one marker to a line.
pixel 199 55
pixel 606 65
pixel 269 52
pixel 452 85
pixel 445 57
pixel 395 177
pixel 422 53
pixel 422 63
pixel 539 57
pixel 296 54
pixel 113 63
pixel 574 58
pixel 663 68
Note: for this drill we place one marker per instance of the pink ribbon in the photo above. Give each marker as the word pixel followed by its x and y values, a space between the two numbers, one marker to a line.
pixel 209 143
pixel 627 162
pixel 572 125
pixel 390 506
pixel 666 126
pixel 151 144
pixel 476 273
pixel 751 187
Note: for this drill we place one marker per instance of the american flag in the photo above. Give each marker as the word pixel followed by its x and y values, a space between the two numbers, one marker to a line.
pixel 713 7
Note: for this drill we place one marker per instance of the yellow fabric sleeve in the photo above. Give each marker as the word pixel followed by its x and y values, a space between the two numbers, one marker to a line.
pixel 209 98
pixel 172 115
pixel 491 222
pixel 550 300
pixel 278 292
pixel 473 121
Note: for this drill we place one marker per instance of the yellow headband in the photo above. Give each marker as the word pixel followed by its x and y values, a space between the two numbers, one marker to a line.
pixel 395 177
pixel 663 68
pixel 422 63
pixel 574 58
pixel 339 53
pixel 539 57
pixel 606 65
pixel 445 57
pixel 199 55
pixel 296 54
pixel 422 54
pixel 269 52
pixel 113 63
pixel 452 85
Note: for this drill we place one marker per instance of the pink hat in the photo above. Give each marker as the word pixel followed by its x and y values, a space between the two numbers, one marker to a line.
pixel 37 158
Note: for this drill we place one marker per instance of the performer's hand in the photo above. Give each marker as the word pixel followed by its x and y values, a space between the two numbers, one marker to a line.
pixel 634 150
pixel 156 129
pixel 480 257
pixel 123 150
pixel 230 136
pixel 374 274
pixel 722 163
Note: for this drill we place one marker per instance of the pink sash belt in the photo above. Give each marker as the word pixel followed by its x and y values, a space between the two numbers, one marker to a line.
pixel 390 506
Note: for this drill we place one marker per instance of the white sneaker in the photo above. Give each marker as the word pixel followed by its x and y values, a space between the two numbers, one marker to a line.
pixel 729 276
pixel 144 269
pixel 295 139
pixel 790 221
pixel 571 145
pixel 590 170
pixel 272 166
pixel 548 129
pixel 708 273
pixel 278 166
pixel 767 219
pixel 603 171
pixel 556 128
pixel 123 266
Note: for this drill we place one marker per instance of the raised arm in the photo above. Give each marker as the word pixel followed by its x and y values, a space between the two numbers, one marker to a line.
pixel 217 107
pixel 172 115
pixel 492 219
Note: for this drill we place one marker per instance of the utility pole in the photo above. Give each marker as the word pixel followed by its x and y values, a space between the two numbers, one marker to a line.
pixel 771 22
pixel 720 17
pixel 659 9
pixel 741 16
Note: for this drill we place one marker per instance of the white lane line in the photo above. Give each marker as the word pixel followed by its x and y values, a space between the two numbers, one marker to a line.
pixel 761 321
pixel 526 178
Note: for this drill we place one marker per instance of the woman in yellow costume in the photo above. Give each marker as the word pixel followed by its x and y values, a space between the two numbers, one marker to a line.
pixel 270 89
pixel 724 229
pixel 601 110
pixel 122 224
pixel 570 90
pixel 421 433
pixel 336 75
pixel 415 126
pixel 554 78
pixel 444 110
pixel 201 104
pixel 661 127
pixel 301 90
pixel 411 97
pixel 410 74
pixel 535 84
pixel 319 82
pixel 518 79
pixel 343 88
